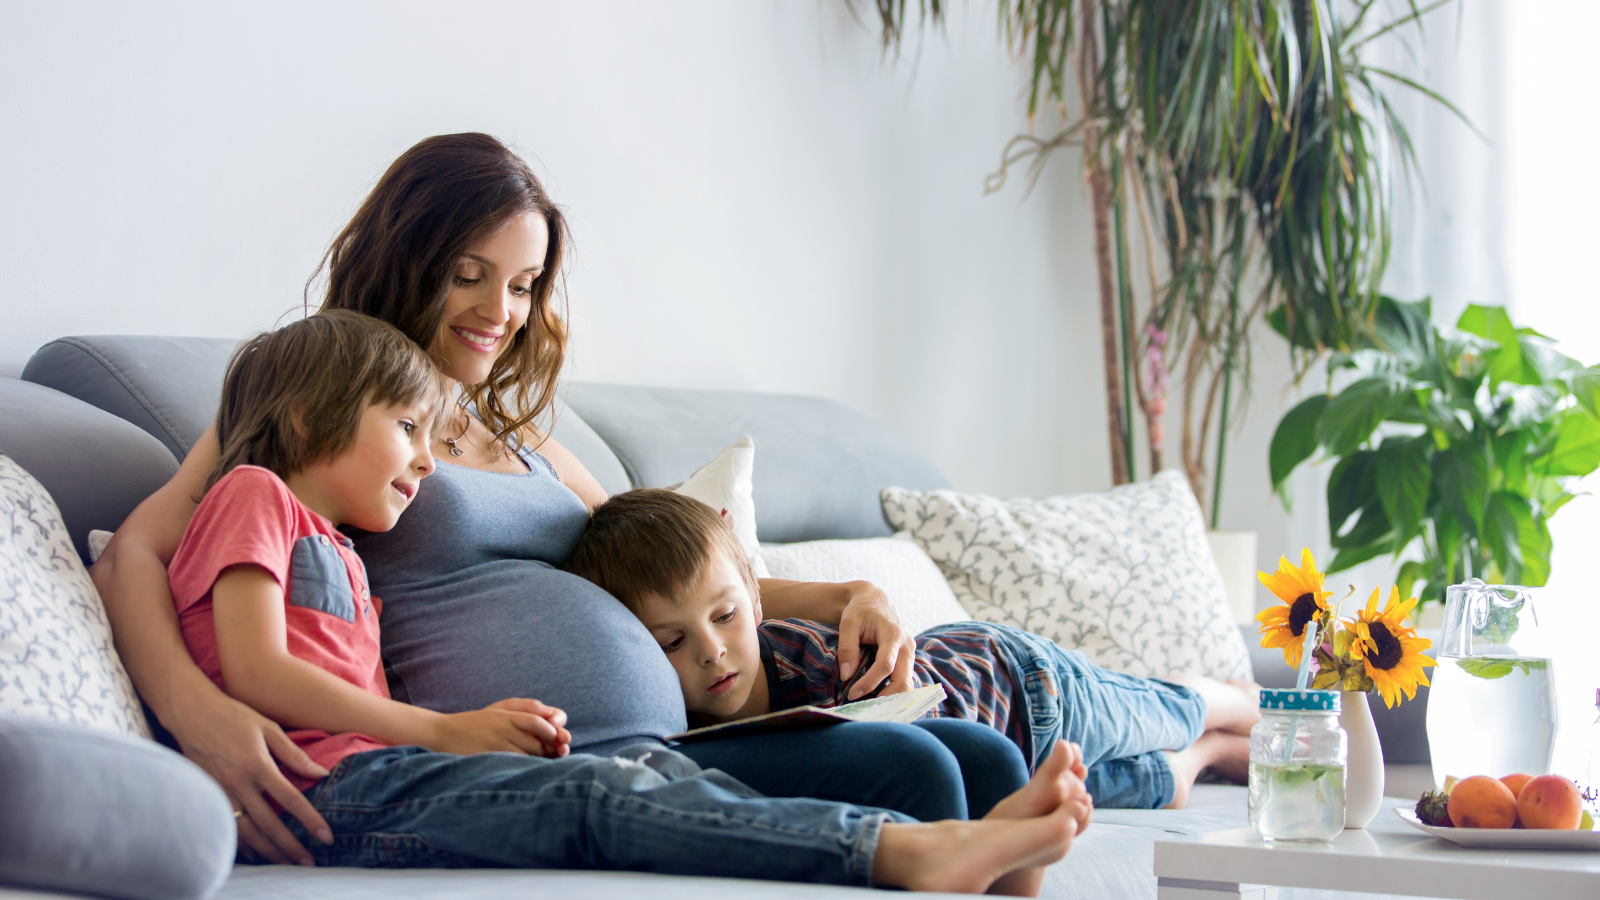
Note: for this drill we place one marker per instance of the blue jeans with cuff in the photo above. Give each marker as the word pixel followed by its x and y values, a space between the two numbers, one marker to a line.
pixel 1122 722
pixel 646 809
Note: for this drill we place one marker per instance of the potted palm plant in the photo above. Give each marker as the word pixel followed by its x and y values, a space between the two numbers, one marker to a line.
pixel 1248 147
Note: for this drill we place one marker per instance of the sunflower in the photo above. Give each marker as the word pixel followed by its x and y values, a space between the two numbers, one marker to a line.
pixel 1392 651
pixel 1304 601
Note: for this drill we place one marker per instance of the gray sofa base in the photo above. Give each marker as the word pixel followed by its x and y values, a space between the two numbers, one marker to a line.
pixel 1113 860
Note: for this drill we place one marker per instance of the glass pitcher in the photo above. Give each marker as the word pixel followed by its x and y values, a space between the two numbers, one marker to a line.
pixel 1491 707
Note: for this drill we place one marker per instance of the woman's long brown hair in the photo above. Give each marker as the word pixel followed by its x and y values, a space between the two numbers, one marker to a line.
pixel 396 258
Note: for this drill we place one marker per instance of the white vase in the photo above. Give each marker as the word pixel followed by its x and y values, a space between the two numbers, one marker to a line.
pixel 1363 776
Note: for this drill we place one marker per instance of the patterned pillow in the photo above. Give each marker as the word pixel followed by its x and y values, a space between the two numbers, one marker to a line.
pixel 1125 576
pixel 56 657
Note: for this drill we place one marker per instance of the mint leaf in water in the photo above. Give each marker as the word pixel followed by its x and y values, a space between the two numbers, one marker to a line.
pixel 1487 667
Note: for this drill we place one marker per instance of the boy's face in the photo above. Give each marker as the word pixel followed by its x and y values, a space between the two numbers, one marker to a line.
pixel 372 481
pixel 709 635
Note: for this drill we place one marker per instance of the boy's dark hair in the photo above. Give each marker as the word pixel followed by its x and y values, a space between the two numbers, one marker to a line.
pixel 296 395
pixel 654 541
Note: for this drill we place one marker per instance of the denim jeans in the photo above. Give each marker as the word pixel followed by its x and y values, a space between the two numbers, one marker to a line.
pixel 1122 722
pixel 645 809
pixel 933 769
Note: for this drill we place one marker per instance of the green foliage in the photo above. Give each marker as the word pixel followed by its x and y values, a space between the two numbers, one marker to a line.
pixel 1491 667
pixel 1256 144
pixel 1460 444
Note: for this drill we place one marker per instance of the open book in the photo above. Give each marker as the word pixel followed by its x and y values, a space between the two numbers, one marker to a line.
pixel 906 707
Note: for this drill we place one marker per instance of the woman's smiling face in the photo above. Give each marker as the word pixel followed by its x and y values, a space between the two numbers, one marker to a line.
pixel 491 296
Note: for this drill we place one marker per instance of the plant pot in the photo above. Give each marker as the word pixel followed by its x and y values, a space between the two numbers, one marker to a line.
pixel 1363 775
pixel 1235 553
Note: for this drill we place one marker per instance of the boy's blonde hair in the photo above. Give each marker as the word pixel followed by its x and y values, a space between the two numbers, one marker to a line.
pixel 653 541
pixel 296 395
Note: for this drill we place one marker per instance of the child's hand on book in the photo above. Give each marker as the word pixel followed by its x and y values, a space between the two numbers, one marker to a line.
pixel 510 726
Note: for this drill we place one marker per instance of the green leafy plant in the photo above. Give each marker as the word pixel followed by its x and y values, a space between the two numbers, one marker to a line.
pixel 1248 146
pixel 1452 447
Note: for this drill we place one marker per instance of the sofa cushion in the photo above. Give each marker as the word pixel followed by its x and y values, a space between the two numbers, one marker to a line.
pixel 92 812
pixel 822 464
pixel 169 387
pixel 56 657
pixel 1126 576
pixel 96 466
pixel 895 565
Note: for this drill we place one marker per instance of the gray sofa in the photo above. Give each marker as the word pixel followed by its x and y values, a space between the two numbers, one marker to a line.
pixel 102 421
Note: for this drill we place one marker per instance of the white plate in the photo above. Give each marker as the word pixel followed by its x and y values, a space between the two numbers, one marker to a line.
pixel 1507 838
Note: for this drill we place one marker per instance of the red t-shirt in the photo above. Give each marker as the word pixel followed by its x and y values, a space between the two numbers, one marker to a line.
pixel 250 516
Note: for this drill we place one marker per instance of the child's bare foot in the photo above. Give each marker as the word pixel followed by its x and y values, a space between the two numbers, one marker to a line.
pixel 1230 705
pixel 970 857
pixel 1058 782
pixel 1223 752
pixel 1052 785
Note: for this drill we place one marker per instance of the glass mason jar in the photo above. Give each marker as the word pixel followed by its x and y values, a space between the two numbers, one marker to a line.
pixel 1297 757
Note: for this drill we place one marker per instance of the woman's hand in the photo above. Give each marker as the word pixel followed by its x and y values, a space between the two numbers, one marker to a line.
pixel 869 618
pixel 237 746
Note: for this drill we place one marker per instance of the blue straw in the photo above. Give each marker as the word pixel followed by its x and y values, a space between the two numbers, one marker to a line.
pixel 1300 685
pixel 1305 657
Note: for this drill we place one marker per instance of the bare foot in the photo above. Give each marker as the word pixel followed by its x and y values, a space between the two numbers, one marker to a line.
pixel 970 857
pixel 1058 782
pixel 1230 705
pixel 1051 786
pixel 1223 752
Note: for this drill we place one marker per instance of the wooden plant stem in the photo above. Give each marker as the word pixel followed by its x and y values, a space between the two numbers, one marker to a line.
pixel 1100 191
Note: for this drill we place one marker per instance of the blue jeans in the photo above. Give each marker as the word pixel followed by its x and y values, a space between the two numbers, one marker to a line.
pixel 1122 722
pixel 935 769
pixel 645 809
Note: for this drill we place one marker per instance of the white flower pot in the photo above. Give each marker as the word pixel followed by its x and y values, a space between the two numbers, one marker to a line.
pixel 1363 776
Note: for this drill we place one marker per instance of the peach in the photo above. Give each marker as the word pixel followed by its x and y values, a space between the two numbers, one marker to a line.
pixel 1515 783
pixel 1482 802
pixel 1550 801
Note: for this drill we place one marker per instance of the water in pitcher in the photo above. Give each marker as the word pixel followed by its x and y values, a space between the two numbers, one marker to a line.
pixel 1491 715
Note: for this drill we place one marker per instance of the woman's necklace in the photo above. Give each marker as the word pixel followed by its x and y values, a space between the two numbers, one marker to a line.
pixel 451 442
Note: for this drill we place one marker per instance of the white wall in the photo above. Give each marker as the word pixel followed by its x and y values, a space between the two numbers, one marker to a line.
pixel 760 202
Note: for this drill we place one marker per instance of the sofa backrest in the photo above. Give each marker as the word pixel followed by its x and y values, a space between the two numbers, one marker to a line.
pixel 96 466
pixel 819 465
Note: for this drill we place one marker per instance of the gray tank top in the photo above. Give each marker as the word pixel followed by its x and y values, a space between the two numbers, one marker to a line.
pixel 474 610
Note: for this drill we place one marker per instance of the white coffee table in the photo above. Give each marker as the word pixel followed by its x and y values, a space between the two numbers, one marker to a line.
pixel 1387 857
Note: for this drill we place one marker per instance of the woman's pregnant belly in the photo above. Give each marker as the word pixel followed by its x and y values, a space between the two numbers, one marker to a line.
pixel 516 628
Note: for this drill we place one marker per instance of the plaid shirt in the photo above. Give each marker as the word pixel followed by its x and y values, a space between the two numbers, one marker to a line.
pixel 981 681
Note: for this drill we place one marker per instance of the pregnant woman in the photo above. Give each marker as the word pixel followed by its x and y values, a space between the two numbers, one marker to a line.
pixel 459 247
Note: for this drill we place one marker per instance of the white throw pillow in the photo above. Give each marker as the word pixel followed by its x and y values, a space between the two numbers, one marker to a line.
pixel 896 565
pixel 56 657
pixel 726 484
pixel 1126 576
pixel 97 543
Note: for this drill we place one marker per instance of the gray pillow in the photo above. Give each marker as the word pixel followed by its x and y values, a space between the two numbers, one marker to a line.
pixel 88 811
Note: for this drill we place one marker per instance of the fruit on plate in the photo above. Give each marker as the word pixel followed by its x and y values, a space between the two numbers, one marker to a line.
pixel 1434 809
pixel 1550 801
pixel 1515 783
pixel 1482 802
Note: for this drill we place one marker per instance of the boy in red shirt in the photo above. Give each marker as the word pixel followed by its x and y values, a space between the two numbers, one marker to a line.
pixel 327 422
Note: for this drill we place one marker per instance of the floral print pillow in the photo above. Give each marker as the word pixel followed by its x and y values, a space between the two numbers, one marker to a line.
pixel 1125 576
pixel 56 657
